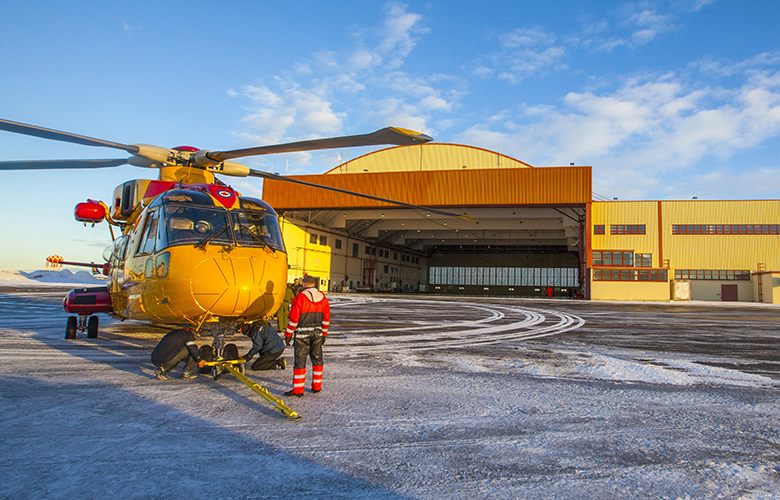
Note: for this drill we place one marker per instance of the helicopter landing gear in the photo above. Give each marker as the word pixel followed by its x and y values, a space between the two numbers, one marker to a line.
pixel 207 355
pixel 218 351
pixel 92 327
pixel 83 323
pixel 71 327
pixel 230 353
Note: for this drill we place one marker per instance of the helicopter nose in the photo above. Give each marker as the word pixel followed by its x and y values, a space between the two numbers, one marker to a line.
pixel 226 286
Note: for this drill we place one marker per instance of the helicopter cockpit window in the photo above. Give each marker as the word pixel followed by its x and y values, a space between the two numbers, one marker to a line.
pixel 273 235
pixel 118 248
pixel 150 233
pixel 257 222
pixel 191 225
pixel 246 229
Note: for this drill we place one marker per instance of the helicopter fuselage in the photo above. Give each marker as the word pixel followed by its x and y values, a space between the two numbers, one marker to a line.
pixel 191 257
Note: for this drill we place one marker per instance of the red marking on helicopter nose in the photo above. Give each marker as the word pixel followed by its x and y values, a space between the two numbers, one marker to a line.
pixel 223 194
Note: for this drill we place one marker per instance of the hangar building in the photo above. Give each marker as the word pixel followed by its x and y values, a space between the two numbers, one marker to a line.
pixel 527 232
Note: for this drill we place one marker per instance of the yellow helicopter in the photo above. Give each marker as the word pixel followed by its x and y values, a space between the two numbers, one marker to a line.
pixel 191 250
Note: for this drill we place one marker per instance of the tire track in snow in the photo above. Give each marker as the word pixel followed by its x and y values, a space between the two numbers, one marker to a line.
pixel 484 324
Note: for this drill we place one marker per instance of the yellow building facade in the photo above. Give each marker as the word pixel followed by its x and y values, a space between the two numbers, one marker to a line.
pixel 697 250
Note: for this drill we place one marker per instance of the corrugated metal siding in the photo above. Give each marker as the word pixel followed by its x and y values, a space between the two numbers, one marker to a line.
pixel 438 188
pixel 434 156
pixel 627 212
pixel 692 251
pixel 721 251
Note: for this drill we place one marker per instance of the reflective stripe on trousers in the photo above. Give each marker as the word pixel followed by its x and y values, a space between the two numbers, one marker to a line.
pixel 316 377
pixel 299 380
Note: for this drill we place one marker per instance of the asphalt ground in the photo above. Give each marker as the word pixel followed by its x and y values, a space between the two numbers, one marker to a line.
pixel 425 397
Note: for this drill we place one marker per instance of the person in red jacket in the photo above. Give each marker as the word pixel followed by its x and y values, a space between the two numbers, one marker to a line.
pixel 309 321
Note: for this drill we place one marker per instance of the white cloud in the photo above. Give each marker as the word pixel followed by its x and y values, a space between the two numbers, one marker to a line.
pixel 365 83
pixel 524 52
pixel 649 127
pixel 291 114
pixel 400 32
pixel 398 113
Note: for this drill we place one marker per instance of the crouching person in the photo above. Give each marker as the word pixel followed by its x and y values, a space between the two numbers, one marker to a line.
pixel 267 344
pixel 175 346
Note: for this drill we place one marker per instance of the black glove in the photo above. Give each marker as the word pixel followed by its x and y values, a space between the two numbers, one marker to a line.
pixel 248 356
pixel 288 341
pixel 324 338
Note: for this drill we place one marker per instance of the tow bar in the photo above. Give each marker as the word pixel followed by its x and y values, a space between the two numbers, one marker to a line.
pixel 228 364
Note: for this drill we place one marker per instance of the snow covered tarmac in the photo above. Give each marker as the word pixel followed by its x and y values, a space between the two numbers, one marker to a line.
pixel 423 398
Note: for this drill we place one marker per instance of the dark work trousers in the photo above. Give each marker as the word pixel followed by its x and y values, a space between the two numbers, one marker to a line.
pixel 282 317
pixel 183 354
pixel 305 347
pixel 266 361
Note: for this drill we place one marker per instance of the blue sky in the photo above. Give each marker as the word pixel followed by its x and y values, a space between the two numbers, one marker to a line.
pixel 665 99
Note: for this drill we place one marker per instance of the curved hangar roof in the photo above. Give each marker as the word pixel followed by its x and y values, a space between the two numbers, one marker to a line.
pixel 546 203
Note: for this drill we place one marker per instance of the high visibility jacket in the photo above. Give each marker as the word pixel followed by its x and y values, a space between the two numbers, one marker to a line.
pixel 309 315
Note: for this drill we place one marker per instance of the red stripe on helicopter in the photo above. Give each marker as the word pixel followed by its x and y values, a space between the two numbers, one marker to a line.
pixel 157 187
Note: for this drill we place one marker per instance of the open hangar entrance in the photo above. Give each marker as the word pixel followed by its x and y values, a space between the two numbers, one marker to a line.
pixel 527 230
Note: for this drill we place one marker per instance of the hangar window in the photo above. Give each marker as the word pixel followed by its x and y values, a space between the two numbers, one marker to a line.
pixel 627 229
pixel 323 240
pixel 712 274
pixel 355 252
pixel 630 275
pixel 338 244
pixel 725 228
pixel 643 260
pixel 504 276
pixel 598 229
pixel 613 258
pixel 313 238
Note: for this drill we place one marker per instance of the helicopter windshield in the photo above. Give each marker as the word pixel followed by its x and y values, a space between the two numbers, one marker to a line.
pixel 257 228
pixel 199 225
pixel 191 225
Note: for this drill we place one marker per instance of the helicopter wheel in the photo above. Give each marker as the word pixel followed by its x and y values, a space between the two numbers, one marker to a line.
pixel 207 355
pixel 71 327
pixel 92 327
pixel 230 352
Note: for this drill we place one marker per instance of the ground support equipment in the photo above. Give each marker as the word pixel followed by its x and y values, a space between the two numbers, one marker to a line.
pixel 229 365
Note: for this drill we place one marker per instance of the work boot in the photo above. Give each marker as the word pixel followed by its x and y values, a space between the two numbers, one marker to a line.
pixel 291 393
pixel 315 391
pixel 187 375
pixel 281 364
pixel 161 374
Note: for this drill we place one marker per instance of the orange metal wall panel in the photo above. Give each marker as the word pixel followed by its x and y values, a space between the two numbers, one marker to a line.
pixel 439 188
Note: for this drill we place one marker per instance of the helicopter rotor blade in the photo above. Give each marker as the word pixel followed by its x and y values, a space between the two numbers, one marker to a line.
pixel 60 164
pixel 389 135
pixel 275 177
pixel 57 135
